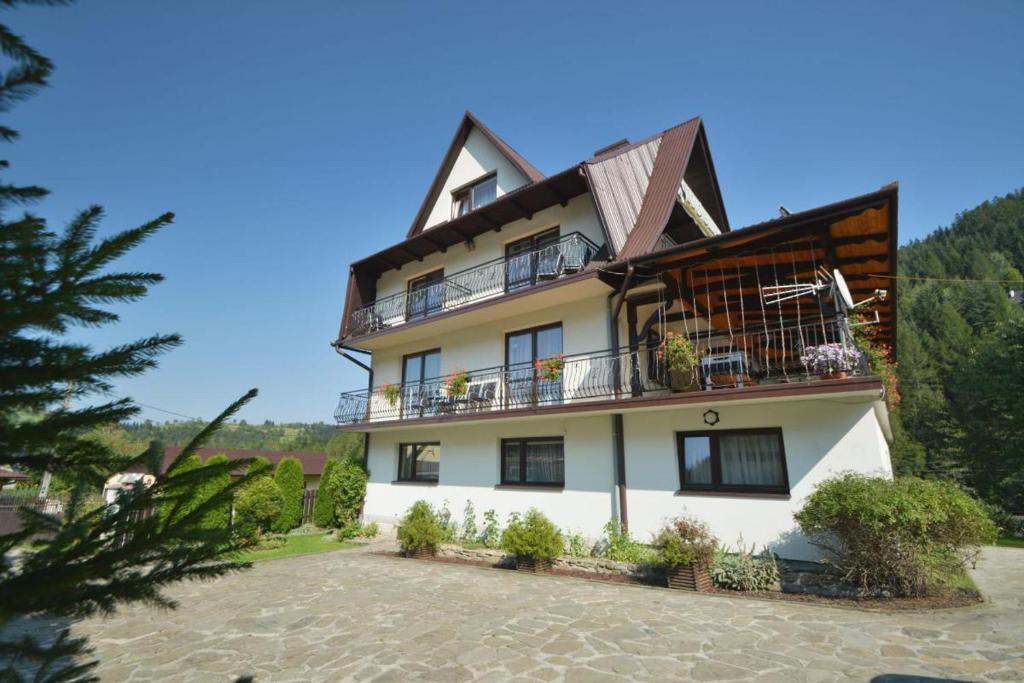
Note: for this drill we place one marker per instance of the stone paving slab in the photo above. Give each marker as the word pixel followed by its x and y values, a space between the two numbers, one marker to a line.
pixel 351 615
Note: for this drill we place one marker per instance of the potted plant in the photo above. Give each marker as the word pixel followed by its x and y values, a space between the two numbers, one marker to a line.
pixel 534 540
pixel 420 531
pixel 686 550
pixel 391 393
pixel 680 360
pixel 457 383
pixel 550 369
pixel 830 361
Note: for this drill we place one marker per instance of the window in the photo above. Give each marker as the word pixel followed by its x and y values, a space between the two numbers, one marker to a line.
pixel 419 461
pixel 474 196
pixel 426 295
pixel 525 258
pixel 536 461
pixel 421 382
pixel 522 350
pixel 742 460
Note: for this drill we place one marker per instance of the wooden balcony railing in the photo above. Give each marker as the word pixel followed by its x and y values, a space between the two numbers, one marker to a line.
pixel 568 255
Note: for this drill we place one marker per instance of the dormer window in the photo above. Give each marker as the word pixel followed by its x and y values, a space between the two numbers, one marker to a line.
pixel 474 195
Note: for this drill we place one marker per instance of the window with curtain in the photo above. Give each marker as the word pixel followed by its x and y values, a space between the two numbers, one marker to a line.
pixel 425 295
pixel 481 192
pixel 742 460
pixel 419 461
pixel 535 461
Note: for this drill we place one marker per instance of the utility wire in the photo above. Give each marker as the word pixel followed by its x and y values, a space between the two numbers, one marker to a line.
pixel 169 412
pixel 945 279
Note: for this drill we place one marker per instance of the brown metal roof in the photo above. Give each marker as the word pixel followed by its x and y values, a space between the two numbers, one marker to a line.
pixel 11 475
pixel 466 125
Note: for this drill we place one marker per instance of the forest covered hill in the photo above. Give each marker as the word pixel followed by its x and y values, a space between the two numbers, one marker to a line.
pixel 960 347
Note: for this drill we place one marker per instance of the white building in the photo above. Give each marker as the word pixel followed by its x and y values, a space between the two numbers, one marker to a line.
pixel 513 343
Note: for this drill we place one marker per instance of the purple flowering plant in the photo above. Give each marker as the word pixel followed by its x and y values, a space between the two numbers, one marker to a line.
pixel 826 359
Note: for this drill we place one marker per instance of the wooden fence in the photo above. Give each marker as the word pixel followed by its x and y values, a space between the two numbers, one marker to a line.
pixel 308 502
pixel 10 518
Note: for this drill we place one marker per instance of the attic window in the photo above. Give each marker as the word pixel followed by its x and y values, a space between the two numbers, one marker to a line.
pixel 475 195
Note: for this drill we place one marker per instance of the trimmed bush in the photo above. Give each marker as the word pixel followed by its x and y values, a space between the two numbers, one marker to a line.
pixel 323 508
pixel 260 466
pixel 683 542
pixel 292 483
pixel 185 500
pixel 420 528
pixel 257 507
pixel 910 536
pixel 745 571
pixel 533 536
pixel 619 546
pixel 349 493
pixel 220 516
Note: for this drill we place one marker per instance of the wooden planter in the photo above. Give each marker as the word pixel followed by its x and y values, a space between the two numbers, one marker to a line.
pixel 421 553
pixel 532 565
pixel 689 578
pixel 683 381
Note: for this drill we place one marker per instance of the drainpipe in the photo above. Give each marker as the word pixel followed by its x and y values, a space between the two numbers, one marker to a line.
pixel 618 440
pixel 369 390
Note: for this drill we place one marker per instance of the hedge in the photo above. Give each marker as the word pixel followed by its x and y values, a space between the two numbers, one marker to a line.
pixel 292 483
pixel 323 509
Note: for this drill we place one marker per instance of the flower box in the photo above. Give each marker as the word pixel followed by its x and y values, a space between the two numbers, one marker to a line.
pixel 688 578
pixel 532 564
pixel 421 553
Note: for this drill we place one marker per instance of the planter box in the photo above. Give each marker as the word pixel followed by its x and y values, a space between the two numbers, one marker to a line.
pixel 529 564
pixel 683 381
pixel 421 553
pixel 689 578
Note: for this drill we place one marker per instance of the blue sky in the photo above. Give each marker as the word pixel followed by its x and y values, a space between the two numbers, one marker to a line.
pixel 292 138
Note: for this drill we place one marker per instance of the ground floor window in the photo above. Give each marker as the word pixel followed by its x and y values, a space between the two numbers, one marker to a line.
pixel 535 461
pixel 741 460
pixel 419 461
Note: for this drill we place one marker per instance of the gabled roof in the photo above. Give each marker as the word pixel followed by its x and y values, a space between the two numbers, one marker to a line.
pixel 468 123
pixel 636 185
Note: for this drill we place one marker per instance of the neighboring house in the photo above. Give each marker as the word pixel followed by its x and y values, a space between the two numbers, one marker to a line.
pixel 312 461
pixel 513 342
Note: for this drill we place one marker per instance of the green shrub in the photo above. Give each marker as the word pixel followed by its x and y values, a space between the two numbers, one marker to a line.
pixel 371 530
pixel 909 536
pixel 292 483
pixel 349 493
pixel 619 546
pixel 451 527
pixel 577 545
pixel 683 542
pixel 491 536
pixel 218 517
pixel 533 536
pixel 323 509
pixel 420 528
pixel 257 507
pixel 183 500
pixel 745 571
pixel 469 530
pixel 260 466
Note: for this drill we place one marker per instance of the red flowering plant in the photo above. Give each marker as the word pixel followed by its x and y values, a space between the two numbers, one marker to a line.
pixel 550 369
pixel 677 352
pixel 457 383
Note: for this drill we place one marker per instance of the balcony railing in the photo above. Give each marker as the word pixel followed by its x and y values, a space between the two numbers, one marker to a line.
pixel 570 254
pixel 749 358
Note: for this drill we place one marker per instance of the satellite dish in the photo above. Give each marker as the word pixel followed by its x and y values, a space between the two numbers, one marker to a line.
pixel 842 292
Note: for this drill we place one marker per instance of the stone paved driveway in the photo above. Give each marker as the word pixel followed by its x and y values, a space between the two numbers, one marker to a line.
pixel 350 615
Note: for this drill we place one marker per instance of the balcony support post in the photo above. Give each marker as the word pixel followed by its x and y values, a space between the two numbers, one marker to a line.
pixel 634 350
pixel 619 448
pixel 613 327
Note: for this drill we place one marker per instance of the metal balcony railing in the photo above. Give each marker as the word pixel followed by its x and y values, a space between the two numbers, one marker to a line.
pixel 748 358
pixel 570 254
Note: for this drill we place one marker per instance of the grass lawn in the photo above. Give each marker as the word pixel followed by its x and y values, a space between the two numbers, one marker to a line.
pixel 298 545
pixel 1010 541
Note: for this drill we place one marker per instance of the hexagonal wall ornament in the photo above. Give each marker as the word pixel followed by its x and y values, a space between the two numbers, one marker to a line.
pixel 711 417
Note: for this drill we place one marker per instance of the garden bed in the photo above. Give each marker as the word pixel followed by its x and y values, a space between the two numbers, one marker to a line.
pixel 608 571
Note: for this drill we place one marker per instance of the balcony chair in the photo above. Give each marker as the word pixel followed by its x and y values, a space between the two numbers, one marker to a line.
pixel 482 394
pixel 550 266
pixel 575 254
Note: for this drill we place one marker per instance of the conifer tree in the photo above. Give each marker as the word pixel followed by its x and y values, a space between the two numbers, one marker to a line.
pixel 292 483
pixel 323 508
pixel 90 559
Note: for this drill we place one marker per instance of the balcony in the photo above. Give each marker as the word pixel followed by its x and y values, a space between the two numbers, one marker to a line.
pixel 746 360
pixel 569 255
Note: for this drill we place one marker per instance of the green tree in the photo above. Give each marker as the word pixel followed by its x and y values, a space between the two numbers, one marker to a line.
pixel 182 506
pixel 323 508
pixel 292 483
pixel 260 467
pixel 349 494
pixel 257 507
pixel 218 517
pixel 94 558
pixel 345 446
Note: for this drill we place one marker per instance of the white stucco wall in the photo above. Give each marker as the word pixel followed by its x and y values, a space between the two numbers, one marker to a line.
pixel 470 470
pixel 584 329
pixel 576 216
pixel 476 158
pixel 822 437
